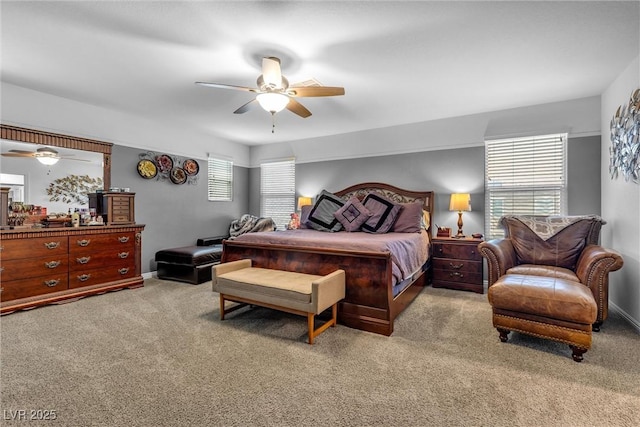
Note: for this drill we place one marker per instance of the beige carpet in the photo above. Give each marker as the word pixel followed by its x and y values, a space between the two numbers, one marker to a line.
pixel 159 356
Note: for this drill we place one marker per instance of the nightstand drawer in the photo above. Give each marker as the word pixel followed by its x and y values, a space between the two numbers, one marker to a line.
pixel 457 251
pixel 457 276
pixel 457 265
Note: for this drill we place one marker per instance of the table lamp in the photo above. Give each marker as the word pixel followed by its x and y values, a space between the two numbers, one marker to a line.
pixel 303 201
pixel 460 202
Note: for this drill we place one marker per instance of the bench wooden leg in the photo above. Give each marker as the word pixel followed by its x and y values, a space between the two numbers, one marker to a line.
pixel 330 323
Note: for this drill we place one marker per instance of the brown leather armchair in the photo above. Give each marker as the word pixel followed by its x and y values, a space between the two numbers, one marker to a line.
pixel 549 278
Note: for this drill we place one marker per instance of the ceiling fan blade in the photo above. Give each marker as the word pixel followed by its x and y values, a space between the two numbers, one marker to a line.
pixel 295 107
pixel 246 107
pixel 19 153
pixel 224 86
pixel 315 91
pixel 271 71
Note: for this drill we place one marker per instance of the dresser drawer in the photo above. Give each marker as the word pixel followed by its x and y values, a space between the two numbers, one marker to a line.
pixel 111 273
pixel 89 260
pixel 457 251
pixel 88 243
pixel 41 246
pixel 24 288
pixel 33 267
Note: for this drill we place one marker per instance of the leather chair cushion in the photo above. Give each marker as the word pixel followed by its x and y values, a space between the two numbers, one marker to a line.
pixel 544 270
pixel 549 297
pixel 561 250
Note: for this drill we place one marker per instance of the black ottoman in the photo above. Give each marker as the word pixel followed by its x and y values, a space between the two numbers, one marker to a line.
pixel 191 264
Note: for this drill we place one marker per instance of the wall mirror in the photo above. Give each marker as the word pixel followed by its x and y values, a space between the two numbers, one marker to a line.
pixel 78 157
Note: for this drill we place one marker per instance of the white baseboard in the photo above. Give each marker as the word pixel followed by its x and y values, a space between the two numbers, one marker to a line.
pixel 635 323
pixel 150 275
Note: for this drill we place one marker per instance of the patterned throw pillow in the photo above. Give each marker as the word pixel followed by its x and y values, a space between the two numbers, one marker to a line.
pixel 352 215
pixel 384 213
pixel 321 216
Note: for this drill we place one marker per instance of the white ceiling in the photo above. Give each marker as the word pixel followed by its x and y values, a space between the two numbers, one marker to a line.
pixel 399 62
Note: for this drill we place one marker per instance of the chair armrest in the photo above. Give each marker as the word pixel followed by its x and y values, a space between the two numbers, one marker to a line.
pixel 500 257
pixel 227 267
pixel 592 269
pixel 327 290
pixel 210 241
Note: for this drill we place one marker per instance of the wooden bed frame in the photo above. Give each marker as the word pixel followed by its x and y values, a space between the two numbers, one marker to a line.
pixel 369 303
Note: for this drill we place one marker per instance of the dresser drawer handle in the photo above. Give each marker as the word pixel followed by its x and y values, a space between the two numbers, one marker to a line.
pixel 1 269
pixel 84 277
pixel 83 260
pixel 123 255
pixel 123 239
pixel 124 270
pixel 52 264
pixel 456 266
pixel 456 274
pixel 52 245
pixel 51 283
pixel 84 242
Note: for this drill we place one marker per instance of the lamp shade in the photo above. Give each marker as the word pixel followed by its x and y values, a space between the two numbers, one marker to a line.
pixel 303 201
pixel 273 102
pixel 460 202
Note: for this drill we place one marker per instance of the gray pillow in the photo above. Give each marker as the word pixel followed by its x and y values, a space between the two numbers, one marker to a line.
pixel 304 216
pixel 321 215
pixel 384 213
pixel 409 219
pixel 352 215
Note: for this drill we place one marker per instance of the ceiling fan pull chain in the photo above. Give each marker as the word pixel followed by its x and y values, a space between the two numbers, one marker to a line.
pixel 273 122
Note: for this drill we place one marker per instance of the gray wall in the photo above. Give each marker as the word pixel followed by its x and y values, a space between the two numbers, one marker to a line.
pixel 583 180
pixel 176 215
pixel 445 172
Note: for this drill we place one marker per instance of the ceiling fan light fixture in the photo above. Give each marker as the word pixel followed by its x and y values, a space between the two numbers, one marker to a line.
pixel 47 160
pixel 273 102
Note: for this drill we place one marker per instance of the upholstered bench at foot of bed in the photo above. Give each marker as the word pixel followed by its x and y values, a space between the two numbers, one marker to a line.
pixel 297 293
pixel 191 264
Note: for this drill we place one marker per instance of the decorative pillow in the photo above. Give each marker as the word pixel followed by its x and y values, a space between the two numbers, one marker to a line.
pixel 304 215
pixel 321 215
pixel 384 213
pixel 409 219
pixel 561 249
pixel 426 219
pixel 352 215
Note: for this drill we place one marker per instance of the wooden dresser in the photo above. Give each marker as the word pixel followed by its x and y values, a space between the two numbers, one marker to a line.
pixel 44 266
pixel 457 264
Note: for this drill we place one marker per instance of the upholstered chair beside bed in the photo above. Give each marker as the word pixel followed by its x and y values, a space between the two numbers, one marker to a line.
pixel 549 277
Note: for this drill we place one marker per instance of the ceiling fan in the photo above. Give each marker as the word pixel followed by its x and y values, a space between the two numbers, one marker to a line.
pixel 275 93
pixel 45 155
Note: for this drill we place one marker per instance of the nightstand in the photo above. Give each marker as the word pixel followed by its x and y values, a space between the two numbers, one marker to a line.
pixel 457 264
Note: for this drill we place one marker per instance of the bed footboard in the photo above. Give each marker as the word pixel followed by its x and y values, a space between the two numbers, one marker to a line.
pixel 368 305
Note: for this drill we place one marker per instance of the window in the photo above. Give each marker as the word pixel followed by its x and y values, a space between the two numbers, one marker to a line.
pixel 219 180
pixel 278 191
pixel 524 176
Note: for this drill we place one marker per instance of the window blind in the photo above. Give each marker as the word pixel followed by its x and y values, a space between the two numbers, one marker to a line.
pixel 524 176
pixel 278 191
pixel 219 180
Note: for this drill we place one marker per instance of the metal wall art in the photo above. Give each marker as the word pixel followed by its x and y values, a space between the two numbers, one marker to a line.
pixel 164 167
pixel 625 140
